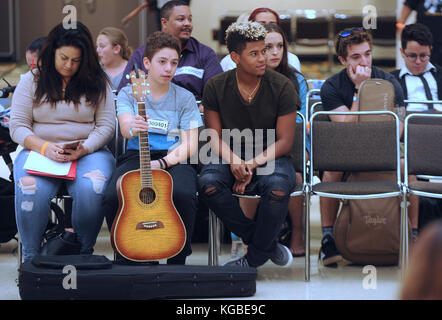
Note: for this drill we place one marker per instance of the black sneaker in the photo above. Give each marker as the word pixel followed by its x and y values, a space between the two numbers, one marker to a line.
pixel 328 254
pixel 283 256
pixel 238 262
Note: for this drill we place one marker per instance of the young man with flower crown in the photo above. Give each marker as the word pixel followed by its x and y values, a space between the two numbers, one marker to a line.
pixel 257 107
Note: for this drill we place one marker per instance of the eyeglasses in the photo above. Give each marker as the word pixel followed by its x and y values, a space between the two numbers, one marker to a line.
pixel 412 57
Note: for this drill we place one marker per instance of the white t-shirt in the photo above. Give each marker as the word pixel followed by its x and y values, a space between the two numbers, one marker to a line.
pixel 228 64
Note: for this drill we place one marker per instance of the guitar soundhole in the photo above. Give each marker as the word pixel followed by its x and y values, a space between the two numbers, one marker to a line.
pixel 147 195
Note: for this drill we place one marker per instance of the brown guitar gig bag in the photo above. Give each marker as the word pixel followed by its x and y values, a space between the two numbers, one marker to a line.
pixel 368 231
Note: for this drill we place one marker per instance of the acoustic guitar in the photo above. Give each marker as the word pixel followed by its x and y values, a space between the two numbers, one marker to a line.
pixel 147 226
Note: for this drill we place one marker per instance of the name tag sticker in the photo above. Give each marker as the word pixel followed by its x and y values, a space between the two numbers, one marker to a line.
pixel 158 126
pixel 199 73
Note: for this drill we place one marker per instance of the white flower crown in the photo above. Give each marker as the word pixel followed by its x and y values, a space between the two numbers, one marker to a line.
pixel 251 30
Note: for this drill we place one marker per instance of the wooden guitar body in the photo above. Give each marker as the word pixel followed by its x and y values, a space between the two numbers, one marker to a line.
pixel 147 226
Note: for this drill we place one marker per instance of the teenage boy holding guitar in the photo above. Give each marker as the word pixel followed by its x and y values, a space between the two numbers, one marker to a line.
pixel 171 120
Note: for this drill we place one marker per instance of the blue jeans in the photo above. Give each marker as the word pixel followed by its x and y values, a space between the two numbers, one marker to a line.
pixel 33 194
pixel 215 188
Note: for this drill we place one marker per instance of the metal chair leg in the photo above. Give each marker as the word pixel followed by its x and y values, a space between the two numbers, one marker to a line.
pixel 214 246
pixel 403 250
pixel 307 236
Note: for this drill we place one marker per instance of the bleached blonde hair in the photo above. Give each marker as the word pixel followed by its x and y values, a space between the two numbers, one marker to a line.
pixel 238 34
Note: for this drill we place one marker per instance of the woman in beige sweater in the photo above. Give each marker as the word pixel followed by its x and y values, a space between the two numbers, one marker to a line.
pixel 67 99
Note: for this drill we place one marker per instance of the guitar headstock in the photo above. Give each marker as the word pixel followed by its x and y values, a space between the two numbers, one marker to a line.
pixel 140 86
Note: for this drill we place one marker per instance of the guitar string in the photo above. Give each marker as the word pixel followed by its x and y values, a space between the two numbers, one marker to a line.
pixel 145 163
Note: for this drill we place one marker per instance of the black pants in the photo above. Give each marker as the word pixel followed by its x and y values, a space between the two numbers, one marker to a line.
pixel 215 187
pixel 184 195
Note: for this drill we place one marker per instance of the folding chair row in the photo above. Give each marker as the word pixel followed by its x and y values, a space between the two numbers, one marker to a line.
pixel 428 102
pixel 375 147
pixel 356 147
pixel 423 153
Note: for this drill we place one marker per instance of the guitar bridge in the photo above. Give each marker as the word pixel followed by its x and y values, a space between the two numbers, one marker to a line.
pixel 149 225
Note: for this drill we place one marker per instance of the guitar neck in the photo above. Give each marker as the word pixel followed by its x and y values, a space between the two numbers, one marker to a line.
pixel 145 168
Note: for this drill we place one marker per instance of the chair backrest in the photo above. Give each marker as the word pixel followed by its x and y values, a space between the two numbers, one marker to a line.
pixel 118 143
pixel 408 112
pixel 317 107
pixel 423 136
pixel 312 32
pixel 354 146
pixel 313 94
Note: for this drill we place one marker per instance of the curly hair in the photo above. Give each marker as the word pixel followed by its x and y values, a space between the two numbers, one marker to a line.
pixel 238 34
pixel 159 40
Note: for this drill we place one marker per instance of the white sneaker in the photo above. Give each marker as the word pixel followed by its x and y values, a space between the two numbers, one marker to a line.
pixel 282 256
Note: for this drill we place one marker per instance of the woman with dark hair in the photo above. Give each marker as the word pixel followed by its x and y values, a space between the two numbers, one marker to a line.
pixel 65 111
pixel 276 45
pixel 264 16
pixel 277 58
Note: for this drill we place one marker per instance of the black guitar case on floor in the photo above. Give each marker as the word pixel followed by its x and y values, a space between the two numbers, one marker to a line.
pixel 82 277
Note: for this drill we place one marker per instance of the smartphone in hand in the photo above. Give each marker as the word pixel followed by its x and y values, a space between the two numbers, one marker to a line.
pixel 71 145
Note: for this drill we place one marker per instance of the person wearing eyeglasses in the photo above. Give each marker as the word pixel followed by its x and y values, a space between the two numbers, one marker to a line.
pixel 419 78
pixel 429 13
pixel 340 93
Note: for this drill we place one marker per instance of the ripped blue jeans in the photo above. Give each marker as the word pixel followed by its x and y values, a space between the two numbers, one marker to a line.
pixel 215 188
pixel 33 194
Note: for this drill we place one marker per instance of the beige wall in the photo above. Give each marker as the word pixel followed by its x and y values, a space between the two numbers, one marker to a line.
pixel 38 17
pixel 206 13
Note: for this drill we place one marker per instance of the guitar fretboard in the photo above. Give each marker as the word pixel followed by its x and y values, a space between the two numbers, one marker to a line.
pixel 145 168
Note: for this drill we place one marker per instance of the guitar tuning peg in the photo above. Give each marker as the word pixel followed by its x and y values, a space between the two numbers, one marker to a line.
pixel 127 77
